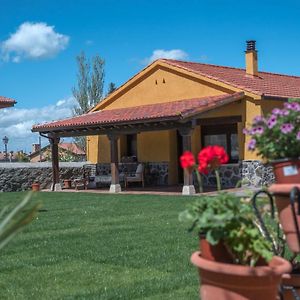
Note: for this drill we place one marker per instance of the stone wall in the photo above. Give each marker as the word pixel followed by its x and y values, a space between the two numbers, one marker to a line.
pixel 20 176
pixel 16 177
pixel 156 173
pixel 255 173
pixel 246 172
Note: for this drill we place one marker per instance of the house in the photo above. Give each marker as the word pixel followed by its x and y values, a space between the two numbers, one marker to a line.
pixel 6 102
pixel 67 152
pixel 171 106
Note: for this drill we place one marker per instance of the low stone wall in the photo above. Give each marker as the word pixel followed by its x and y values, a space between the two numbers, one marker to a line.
pixel 255 173
pixel 20 176
pixel 16 177
pixel 230 175
pixel 246 172
pixel 156 173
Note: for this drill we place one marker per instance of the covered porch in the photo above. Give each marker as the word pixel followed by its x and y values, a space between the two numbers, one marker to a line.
pixel 182 116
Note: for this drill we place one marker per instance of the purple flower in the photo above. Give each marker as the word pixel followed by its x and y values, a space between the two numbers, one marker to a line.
pixel 285 112
pixel 272 121
pixel 286 128
pixel 292 106
pixel 298 136
pixel 258 119
pixel 251 144
pixel 258 130
pixel 276 111
pixel 246 131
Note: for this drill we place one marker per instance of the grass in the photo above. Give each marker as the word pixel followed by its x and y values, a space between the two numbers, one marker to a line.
pixel 91 246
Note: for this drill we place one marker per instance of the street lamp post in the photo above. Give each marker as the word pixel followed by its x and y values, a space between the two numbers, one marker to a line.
pixel 5 142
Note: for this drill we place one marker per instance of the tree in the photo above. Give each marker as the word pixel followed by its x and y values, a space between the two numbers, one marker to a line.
pixel 89 89
pixel 111 87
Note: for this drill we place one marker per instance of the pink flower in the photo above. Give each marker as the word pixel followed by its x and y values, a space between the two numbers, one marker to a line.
pixel 286 128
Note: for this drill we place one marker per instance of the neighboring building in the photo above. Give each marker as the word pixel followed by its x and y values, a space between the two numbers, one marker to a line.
pixel 18 156
pixel 67 152
pixel 6 102
pixel 173 105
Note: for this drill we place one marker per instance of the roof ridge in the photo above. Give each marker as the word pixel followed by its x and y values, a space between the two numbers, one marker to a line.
pixel 227 67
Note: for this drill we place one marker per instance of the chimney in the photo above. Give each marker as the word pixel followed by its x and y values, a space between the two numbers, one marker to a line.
pixel 35 147
pixel 251 59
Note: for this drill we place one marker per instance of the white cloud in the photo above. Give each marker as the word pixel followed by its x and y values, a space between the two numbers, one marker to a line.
pixel 33 41
pixel 170 54
pixel 16 123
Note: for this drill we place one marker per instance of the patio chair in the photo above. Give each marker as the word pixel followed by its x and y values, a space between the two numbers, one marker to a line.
pixel 138 176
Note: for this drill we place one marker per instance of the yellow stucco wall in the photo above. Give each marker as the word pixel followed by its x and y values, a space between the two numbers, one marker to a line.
pixel 93 148
pixel 268 105
pixel 252 109
pixel 164 86
pixel 104 149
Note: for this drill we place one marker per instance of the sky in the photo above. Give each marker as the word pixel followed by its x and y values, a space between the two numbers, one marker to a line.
pixel 40 39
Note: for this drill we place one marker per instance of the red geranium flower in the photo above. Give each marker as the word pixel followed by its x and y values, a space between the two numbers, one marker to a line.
pixel 211 157
pixel 203 168
pixel 187 160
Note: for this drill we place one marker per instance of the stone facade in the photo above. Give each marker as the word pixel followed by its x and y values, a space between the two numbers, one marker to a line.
pixel 20 176
pixel 156 173
pixel 16 177
pixel 255 173
pixel 246 173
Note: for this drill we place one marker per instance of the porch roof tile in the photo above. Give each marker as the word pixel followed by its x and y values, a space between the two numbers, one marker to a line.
pixel 175 110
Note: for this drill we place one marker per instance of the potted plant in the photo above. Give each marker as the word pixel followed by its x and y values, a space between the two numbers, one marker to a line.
pixel 272 230
pixel 245 268
pixel 35 186
pixel 277 139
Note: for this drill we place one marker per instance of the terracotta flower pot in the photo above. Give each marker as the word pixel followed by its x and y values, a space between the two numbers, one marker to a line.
pixel 35 187
pixel 286 171
pixel 67 183
pixel 282 199
pixel 217 252
pixel 235 282
pixel 290 281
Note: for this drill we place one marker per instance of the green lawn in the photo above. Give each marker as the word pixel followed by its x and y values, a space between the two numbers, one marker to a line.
pixel 92 246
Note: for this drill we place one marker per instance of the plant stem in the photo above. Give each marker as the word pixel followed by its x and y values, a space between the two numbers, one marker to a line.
pixel 200 183
pixel 218 180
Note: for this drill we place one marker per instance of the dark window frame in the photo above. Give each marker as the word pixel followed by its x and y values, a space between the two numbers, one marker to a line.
pixel 227 129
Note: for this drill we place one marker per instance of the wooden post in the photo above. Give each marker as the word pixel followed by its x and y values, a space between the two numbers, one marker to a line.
pixel 114 166
pixel 188 185
pixel 54 140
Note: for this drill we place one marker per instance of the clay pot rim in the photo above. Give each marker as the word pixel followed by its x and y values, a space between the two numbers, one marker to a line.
pixel 283 160
pixel 277 265
pixel 282 188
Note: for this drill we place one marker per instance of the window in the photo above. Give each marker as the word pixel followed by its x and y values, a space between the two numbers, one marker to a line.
pixel 222 135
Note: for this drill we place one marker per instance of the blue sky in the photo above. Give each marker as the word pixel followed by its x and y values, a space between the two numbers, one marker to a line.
pixel 127 34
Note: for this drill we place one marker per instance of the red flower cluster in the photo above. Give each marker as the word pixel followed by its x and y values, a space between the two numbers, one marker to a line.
pixel 211 157
pixel 187 160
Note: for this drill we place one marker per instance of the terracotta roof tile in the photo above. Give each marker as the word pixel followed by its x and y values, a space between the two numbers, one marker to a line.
pixel 176 110
pixel 72 147
pixel 268 84
pixel 6 102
